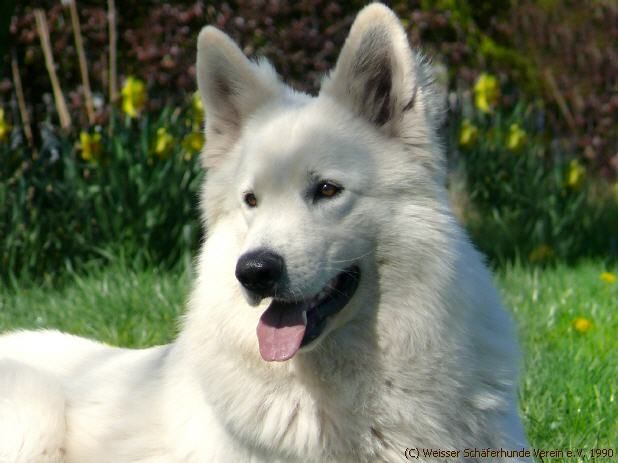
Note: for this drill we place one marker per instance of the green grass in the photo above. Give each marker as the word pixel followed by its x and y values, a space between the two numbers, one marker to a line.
pixel 569 388
pixel 118 306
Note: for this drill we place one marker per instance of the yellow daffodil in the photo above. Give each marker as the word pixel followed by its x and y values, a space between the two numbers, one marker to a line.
pixel 608 277
pixel 486 92
pixel 468 134
pixel 163 143
pixel 198 109
pixel 575 175
pixel 192 144
pixel 133 96
pixel 5 127
pixel 91 146
pixel 516 138
pixel 541 253
pixel 582 325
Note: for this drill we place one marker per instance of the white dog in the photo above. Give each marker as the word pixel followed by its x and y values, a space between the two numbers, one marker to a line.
pixel 339 313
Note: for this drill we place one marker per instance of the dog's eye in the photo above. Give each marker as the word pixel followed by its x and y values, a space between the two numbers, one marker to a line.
pixel 250 199
pixel 326 189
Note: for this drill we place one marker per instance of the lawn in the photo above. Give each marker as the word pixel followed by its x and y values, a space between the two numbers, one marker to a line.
pixel 569 389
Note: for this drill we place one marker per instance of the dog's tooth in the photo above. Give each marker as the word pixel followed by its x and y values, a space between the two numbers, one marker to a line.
pixel 305 316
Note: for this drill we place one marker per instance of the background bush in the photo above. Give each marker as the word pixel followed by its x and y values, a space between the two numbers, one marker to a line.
pixel 520 203
pixel 559 52
pixel 553 63
pixel 59 211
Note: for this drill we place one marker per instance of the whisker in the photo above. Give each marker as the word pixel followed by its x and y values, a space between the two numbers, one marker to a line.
pixel 353 259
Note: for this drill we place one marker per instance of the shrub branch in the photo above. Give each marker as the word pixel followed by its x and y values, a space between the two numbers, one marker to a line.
pixel 83 65
pixel 43 31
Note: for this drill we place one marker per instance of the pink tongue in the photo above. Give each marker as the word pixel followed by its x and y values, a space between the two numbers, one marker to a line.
pixel 280 331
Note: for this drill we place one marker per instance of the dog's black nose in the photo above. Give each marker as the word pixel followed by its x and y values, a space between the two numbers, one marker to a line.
pixel 259 271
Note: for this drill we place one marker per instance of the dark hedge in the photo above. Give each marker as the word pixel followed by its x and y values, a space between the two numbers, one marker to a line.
pixel 561 52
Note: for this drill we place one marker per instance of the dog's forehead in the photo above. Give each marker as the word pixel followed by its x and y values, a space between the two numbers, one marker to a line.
pixel 279 131
pixel 301 135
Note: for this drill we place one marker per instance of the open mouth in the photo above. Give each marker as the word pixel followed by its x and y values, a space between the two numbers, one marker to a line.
pixel 286 326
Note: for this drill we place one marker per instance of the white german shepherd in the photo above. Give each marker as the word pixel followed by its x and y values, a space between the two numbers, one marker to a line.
pixel 339 313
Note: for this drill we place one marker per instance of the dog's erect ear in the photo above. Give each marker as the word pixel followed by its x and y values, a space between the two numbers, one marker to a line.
pixel 377 76
pixel 231 88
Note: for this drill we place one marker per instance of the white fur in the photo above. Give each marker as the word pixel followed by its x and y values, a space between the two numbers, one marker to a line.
pixel 422 356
